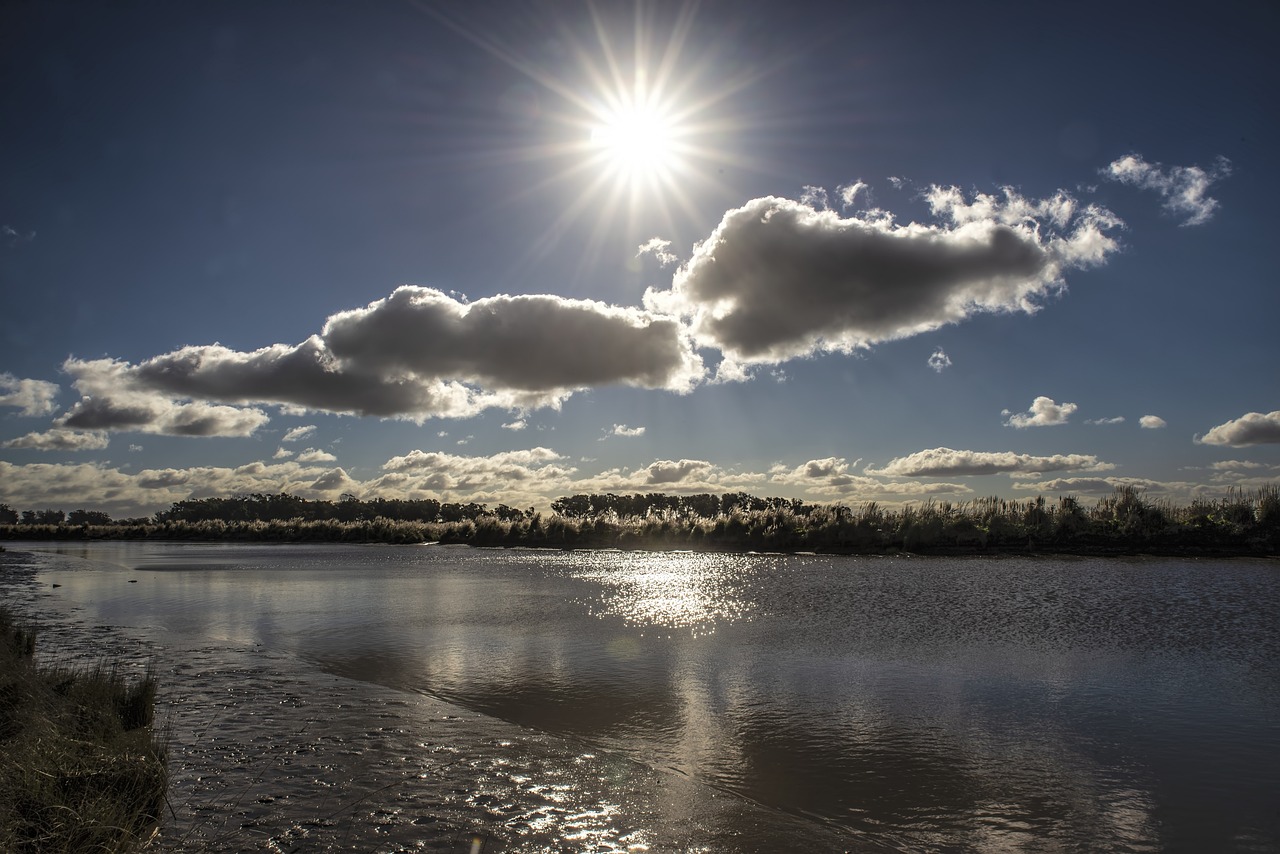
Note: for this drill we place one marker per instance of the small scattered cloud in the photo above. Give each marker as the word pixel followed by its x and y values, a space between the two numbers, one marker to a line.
pixel 849 193
pixel 1119 419
pixel 939 361
pixel 59 439
pixel 282 454
pixel 815 197
pixel 625 431
pixel 298 433
pixel 516 426
pixel 33 398
pixel 14 238
pixel 1152 422
pixel 133 449
pixel 660 249
pixel 1235 465
pixel 946 462
pixel 1252 428
pixel 1183 188
pixel 1044 412
pixel 315 455
pixel 780 279
pixel 465 440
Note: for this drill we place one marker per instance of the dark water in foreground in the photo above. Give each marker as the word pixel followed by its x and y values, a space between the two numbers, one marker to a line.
pixel 400 698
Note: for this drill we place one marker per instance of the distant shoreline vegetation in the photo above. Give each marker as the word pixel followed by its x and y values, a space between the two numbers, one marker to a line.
pixel 1125 522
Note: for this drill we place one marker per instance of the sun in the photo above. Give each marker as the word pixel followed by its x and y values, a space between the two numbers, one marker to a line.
pixel 637 142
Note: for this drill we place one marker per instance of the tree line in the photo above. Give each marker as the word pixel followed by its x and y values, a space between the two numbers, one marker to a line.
pixel 1124 522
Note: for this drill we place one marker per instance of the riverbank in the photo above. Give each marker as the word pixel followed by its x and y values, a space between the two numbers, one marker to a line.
pixel 82 767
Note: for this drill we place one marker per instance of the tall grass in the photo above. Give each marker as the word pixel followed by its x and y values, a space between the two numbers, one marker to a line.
pixel 82 767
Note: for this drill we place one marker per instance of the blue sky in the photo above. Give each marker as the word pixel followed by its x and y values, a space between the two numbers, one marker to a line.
pixel 842 252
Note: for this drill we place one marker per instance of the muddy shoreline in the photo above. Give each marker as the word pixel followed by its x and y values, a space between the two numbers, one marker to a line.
pixel 267 753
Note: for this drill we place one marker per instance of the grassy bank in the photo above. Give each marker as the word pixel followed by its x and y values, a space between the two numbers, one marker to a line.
pixel 81 766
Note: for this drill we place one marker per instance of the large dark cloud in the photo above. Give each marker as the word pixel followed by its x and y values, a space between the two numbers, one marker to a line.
pixel 779 278
pixel 417 354
pixel 530 343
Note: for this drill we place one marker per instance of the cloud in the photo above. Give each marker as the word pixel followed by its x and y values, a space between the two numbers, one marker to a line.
pixel 313 455
pixel 779 279
pixel 939 361
pixel 518 424
pixel 659 249
pixel 1183 188
pixel 1252 428
pixel 298 433
pixel 815 197
pixel 14 238
pixel 417 354
pixel 536 343
pixel 625 431
pixel 849 193
pixel 59 439
pixel 1103 485
pixel 1152 422
pixel 830 477
pixel 105 488
pixel 1044 412
pixel 670 471
pixel 945 462
pixel 282 454
pixel 145 413
pixel 33 397
pixel 1119 419
pixel 1234 465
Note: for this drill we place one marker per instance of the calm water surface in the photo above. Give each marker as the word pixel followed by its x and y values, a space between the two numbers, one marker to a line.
pixel 753 702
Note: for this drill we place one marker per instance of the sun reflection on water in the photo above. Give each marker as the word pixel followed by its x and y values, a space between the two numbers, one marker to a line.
pixel 670 590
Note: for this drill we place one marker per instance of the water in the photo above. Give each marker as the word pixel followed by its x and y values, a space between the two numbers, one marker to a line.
pixel 402 698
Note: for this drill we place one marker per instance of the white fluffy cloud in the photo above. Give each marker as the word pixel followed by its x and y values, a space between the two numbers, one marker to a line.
pixel 830 477
pixel 1119 419
pixel 1252 428
pixel 417 354
pixel 939 361
pixel 59 439
pixel 1044 412
pixel 945 462
pixel 625 431
pixel 1183 188
pixel 32 397
pixel 1152 422
pixel 314 455
pixel 779 279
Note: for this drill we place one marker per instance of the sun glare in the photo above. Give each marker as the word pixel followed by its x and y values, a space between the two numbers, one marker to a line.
pixel 637 141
